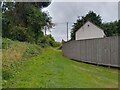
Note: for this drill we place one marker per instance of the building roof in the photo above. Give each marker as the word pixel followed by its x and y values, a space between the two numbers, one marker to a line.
pixel 92 23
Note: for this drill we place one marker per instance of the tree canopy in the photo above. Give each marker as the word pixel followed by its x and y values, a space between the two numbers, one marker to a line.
pixel 24 21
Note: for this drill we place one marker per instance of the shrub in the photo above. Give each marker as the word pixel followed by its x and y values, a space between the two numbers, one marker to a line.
pixel 14 54
pixel 6 74
pixel 6 43
pixel 33 50
pixel 48 40
pixel 21 34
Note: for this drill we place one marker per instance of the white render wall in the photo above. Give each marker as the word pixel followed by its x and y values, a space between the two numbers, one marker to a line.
pixel 88 31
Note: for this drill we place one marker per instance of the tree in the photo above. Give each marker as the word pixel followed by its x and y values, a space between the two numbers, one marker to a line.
pixel 42 4
pixel 118 28
pixel 25 21
pixel 111 28
pixel 48 40
pixel 38 20
pixel 0 24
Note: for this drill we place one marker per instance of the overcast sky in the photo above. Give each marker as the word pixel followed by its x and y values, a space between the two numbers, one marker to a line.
pixel 63 12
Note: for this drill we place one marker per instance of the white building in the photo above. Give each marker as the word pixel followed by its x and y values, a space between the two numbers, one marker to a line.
pixel 89 31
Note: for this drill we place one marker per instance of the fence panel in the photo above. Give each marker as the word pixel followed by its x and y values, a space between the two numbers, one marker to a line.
pixel 114 51
pixel 98 51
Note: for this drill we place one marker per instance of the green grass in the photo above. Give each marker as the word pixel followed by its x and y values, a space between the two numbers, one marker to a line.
pixel 15 53
pixel 52 70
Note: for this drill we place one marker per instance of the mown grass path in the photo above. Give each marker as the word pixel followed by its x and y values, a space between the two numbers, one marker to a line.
pixel 52 70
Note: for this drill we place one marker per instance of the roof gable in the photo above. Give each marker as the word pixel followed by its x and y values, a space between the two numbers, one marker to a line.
pixel 89 30
pixel 90 23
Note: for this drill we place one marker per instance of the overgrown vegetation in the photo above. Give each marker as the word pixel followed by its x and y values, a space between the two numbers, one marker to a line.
pixel 48 40
pixel 26 21
pixel 14 53
pixel 23 22
pixel 110 29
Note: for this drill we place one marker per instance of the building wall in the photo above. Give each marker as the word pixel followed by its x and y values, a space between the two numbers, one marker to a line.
pixel 89 30
pixel 101 51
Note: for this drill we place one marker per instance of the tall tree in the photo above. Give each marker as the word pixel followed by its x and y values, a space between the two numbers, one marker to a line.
pixel 118 28
pixel 38 20
pixel 25 20
pixel 111 28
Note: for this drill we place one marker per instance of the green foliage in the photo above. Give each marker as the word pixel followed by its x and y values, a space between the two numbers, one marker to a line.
pixel 5 25
pixel 14 53
pixel 0 23
pixel 36 21
pixel 32 50
pixel 6 43
pixel 43 4
pixel 60 47
pixel 57 44
pixel 6 74
pixel 48 40
pixel 25 21
pixel 118 28
pixel 110 29
pixel 21 34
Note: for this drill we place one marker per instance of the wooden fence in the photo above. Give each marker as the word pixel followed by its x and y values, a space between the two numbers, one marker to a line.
pixel 101 51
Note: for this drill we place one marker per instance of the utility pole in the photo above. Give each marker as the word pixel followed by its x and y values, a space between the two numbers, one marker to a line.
pixel 67 31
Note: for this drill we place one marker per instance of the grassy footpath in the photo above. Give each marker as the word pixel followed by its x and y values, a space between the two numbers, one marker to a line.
pixel 52 70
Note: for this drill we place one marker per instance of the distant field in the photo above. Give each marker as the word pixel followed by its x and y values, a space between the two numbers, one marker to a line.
pixel 50 69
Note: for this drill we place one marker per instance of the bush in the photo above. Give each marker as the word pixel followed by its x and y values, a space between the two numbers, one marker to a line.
pixel 6 43
pixel 21 34
pixel 57 44
pixel 60 47
pixel 14 54
pixel 33 50
pixel 49 41
pixel 6 74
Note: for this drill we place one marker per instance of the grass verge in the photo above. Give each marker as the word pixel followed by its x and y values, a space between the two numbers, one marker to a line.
pixel 52 70
pixel 15 53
